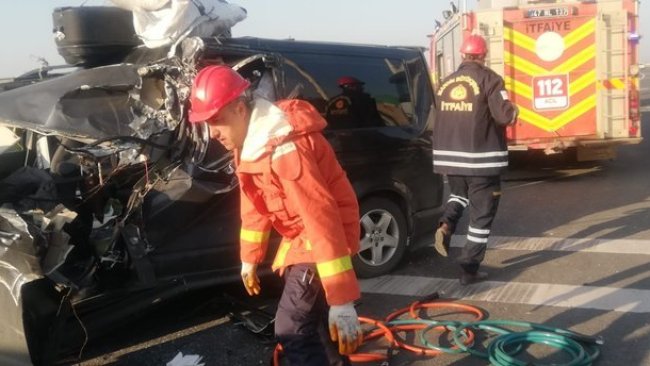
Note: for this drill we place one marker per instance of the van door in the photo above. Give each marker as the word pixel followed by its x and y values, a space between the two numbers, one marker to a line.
pixel 378 126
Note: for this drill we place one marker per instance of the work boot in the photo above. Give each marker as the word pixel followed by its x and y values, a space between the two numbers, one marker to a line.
pixel 469 278
pixel 441 239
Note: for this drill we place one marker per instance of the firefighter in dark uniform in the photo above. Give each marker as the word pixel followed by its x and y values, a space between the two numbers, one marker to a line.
pixel 353 108
pixel 469 142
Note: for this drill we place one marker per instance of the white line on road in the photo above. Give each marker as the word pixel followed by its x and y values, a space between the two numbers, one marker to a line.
pixel 115 357
pixel 590 297
pixel 617 246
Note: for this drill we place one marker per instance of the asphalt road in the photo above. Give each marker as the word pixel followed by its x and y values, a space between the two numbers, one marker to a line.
pixel 570 248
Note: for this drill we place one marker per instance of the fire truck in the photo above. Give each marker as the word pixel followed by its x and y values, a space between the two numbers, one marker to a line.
pixel 571 67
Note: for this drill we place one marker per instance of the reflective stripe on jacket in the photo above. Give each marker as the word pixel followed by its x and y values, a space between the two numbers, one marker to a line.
pixel 290 179
pixel 473 110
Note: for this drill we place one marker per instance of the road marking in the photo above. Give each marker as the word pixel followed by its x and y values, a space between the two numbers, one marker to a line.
pixel 118 355
pixel 615 246
pixel 569 296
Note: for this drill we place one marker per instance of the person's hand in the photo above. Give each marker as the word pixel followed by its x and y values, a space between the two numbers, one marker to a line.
pixel 515 115
pixel 345 328
pixel 250 279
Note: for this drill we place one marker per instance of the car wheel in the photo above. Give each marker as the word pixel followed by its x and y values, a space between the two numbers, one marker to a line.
pixel 383 237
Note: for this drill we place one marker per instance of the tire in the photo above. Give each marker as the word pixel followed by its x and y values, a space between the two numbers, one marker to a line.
pixel 382 239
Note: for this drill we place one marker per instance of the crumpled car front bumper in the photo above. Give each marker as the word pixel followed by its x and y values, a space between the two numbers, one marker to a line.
pixel 104 137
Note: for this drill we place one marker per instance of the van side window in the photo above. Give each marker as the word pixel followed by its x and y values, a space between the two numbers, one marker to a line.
pixel 421 91
pixel 350 91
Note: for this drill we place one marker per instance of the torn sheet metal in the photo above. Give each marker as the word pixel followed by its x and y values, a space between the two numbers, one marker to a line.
pixel 58 243
pixel 90 103
pixel 19 253
pixel 19 263
pixel 8 140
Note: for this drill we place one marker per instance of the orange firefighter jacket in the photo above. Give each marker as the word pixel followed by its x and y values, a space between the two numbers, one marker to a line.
pixel 290 179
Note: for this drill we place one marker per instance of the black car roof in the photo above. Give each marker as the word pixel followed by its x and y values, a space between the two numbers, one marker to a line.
pixel 289 45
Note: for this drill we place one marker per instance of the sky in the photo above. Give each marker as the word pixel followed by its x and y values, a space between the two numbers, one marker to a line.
pixel 26 26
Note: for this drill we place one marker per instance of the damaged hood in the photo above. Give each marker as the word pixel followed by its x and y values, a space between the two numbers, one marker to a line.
pixel 91 103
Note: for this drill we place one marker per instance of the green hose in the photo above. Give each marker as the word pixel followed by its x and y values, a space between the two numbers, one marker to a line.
pixel 501 351
pixel 499 355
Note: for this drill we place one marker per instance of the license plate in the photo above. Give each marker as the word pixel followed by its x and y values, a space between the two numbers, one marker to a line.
pixel 548 12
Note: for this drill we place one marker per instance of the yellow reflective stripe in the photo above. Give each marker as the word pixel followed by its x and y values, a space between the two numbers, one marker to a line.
pixel 576 111
pixel 519 39
pixel 525 91
pixel 519 88
pixel 281 255
pixel 334 267
pixel 551 124
pixel 582 82
pixel 308 245
pixel 253 236
pixel 617 83
pixel 531 117
pixel 580 33
pixel 523 65
pixel 576 60
pixel 531 69
pixel 529 43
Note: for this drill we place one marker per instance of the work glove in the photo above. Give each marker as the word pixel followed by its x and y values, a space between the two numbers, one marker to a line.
pixel 345 328
pixel 250 279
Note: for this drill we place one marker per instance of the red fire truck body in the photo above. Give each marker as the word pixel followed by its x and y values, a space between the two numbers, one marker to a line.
pixel 571 67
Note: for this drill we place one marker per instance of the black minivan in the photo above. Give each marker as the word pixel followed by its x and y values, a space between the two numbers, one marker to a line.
pixel 385 149
pixel 118 201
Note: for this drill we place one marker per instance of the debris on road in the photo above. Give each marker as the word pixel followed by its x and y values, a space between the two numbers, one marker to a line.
pixel 187 360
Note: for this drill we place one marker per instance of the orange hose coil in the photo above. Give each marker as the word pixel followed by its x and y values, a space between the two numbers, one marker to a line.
pixel 388 331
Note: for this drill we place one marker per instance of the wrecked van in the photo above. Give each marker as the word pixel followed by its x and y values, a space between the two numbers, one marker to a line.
pixel 115 202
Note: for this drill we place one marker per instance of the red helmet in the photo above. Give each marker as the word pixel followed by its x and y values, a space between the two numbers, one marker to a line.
pixel 213 88
pixel 347 80
pixel 474 45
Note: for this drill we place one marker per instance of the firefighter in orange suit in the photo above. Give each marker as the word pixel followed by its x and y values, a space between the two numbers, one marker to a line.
pixel 290 180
